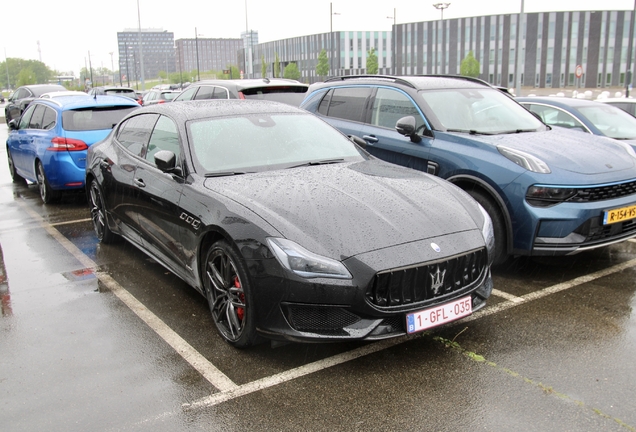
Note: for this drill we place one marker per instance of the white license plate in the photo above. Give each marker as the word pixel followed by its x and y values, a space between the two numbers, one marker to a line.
pixel 435 316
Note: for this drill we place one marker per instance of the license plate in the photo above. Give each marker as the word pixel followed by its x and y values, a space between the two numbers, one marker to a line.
pixel 435 316
pixel 619 215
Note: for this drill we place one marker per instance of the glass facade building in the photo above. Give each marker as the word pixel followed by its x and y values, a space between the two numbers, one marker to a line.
pixel 553 44
pixel 157 52
pixel 206 54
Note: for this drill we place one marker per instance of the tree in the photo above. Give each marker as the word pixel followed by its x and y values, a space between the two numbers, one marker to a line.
pixel 276 66
pixel 291 72
pixel 469 66
pixel 322 68
pixel 19 70
pixel 263 67
pixel 372 62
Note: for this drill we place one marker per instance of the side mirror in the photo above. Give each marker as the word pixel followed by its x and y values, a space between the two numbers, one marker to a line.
pixel 166 161
pixel 406 126
pixel 13 124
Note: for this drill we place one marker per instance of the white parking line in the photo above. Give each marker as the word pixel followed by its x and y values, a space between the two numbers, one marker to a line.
pixel 70 222
pixel 228 389
pixel 507 296
pixel 217 378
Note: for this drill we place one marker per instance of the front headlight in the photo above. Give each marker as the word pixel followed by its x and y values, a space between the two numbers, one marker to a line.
pixel 488 232
pixel 525 160
pixel 304 263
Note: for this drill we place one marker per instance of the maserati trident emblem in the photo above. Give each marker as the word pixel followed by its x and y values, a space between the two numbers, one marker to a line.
pixel 437 280
pixel 435 247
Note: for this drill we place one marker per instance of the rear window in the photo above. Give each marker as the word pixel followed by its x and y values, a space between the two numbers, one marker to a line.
pixel 94 118
pixel 122 92
pixel 291 95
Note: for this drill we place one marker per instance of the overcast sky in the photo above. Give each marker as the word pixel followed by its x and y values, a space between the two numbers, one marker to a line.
pixel 68 30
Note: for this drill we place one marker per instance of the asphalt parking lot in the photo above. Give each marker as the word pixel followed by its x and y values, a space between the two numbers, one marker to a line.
pixel 99 337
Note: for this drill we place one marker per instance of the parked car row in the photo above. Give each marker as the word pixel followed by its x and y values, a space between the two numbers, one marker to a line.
pixel 298 223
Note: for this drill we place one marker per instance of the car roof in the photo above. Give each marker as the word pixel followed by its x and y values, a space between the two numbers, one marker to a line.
pixel 75 102
pixel 200 109
pixel 38 89
pixel 626 100
pixel 558 101
pixel 418 82
pixel 250 83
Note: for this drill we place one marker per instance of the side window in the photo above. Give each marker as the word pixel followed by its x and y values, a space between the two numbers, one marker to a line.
pixel 556 117
pixel 391 105
pixel 50 118
pixel 135 132
pixel 164 137
pixel 220 93
pixel 36 118
pixel 188 94
pixel 348 103
pixel 205 92
pixel 26 117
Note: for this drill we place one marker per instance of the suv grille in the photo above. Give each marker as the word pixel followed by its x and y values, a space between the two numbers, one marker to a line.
pixel 605 192
pixel 427 281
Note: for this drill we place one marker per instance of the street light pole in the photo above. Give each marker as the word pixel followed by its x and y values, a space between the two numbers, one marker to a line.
pixel 393 32
pixel 141 52
pixel 628 75
pixel 441 7
pixel 112 67
pixel 520 52
pixel 196 44
pixel 331 42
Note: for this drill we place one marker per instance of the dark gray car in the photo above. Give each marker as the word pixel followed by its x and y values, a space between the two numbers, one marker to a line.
pixel 24 95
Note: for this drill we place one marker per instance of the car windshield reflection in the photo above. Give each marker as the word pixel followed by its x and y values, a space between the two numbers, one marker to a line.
pixel 477 111
pixel 260 142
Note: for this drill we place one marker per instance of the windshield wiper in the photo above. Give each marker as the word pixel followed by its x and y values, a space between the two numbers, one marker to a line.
pixel 470 131
pixel 322 162
pixel 225 173
pixel 516 131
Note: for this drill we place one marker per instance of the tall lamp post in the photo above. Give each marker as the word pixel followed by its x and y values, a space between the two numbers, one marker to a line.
pixel 441 7
pixel 393 33
pixel 141 51
pixel 112 67
pixel 331 42
pixel 520 51
pixel 628 75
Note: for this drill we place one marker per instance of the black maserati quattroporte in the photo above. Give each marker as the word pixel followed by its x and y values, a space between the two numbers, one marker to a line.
pixel 289 228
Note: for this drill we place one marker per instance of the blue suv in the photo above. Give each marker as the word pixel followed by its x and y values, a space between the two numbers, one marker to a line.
pixel 47 144
pixel 548 191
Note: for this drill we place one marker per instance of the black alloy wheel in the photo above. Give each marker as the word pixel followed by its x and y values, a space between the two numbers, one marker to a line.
pixel 98 214
pixel 47 194
pixel 228 292
pixel 14 175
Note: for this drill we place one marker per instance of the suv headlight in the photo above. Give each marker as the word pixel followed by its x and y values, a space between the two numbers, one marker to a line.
pixel 525 160
pixel 304 263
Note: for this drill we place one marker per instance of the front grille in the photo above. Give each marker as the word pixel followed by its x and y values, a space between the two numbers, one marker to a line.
pixel 605 192
pixel 424 282
pixel 323 320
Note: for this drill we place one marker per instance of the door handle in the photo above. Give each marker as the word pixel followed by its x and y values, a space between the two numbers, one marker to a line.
pixel 139 182
pixel 370 138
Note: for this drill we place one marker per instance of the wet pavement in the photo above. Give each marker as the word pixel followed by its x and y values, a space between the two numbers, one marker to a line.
pixel 100 337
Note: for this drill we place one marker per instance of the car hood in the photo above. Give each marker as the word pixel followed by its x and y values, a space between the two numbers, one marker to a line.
pixel 342 210
pixel 572 151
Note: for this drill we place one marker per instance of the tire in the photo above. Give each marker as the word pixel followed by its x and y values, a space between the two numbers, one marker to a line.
pixel 228 292
pixel 14 175
pixel 47 194
pixel 98 215
pixel 501 256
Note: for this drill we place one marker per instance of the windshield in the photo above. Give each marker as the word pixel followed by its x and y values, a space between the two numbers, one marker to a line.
pixel 101 118
pixel 262 142
pixel 611 121
pixel 479 110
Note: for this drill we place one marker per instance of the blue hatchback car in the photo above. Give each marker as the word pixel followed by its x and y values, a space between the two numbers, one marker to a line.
pixel 47 144
pixel 548 191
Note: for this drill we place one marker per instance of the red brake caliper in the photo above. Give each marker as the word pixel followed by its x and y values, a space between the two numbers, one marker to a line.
pixel 240 312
